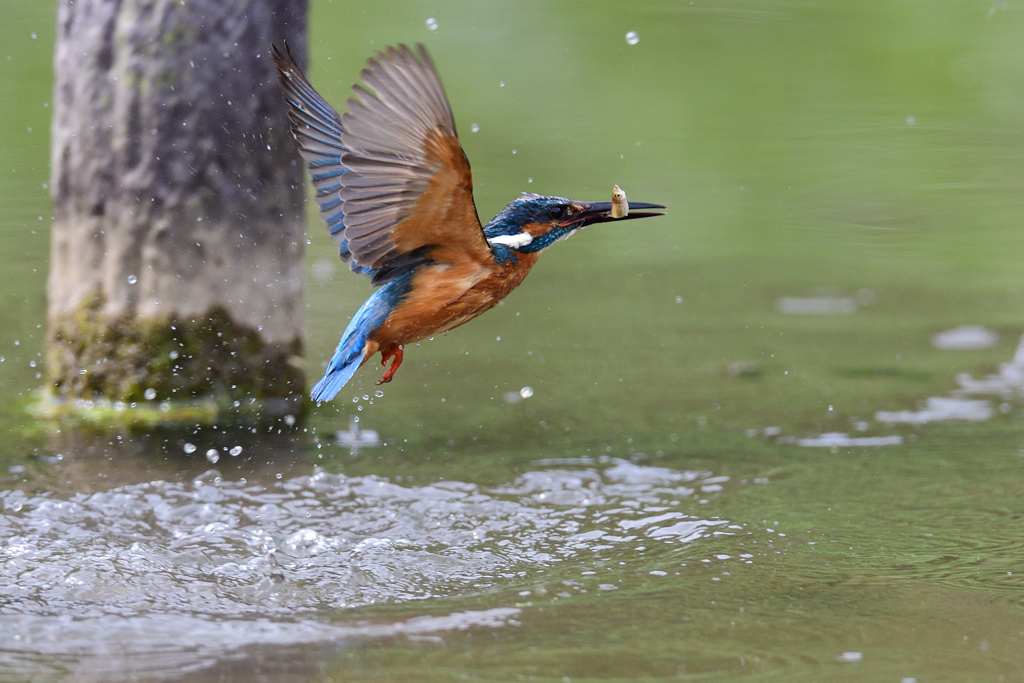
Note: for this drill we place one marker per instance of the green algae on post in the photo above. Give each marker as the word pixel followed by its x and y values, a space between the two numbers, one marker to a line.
pixel 197 366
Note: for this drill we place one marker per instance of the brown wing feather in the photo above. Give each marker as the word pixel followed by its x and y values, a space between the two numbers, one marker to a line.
pixel 444 214
pixel 409 184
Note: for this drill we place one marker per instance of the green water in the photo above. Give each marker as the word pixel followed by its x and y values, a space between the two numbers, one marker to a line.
pixel 871 152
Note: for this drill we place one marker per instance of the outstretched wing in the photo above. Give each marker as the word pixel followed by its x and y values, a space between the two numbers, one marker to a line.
pixel 317 128
pixel 391 179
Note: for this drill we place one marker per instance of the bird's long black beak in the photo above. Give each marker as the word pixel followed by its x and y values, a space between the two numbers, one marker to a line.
pixel 601 212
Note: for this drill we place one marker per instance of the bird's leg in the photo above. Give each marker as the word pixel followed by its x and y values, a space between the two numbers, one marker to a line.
pixel 384 356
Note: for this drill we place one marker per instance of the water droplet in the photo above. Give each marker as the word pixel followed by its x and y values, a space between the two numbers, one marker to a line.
pixel 911 121
pixel 237 450
pixel 173 354
pixel 289 420
pixel 355 399
pixel 150 394
pixel 632 38
pixel 34 35
pixel 526 392
pixel 432 24
pixel 212 455
pixel 501 84
pixel 529 180
pixel 513 151
pixel 679 299
pixel 475 127
pixel 378 393
pixel 190 448
pixel 31 363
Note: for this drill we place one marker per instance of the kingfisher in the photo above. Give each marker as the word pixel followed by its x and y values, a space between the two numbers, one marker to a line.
pixel 396 192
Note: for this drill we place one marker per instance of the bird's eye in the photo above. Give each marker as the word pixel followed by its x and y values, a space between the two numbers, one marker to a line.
pixel 557 212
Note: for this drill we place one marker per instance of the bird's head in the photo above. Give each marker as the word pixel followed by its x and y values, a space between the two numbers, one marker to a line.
pixel 534 222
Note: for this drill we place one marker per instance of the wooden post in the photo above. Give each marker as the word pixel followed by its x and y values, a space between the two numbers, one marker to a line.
pixel 177 246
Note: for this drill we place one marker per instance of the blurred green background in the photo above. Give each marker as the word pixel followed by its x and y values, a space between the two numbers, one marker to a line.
pixel 870 151
pixel 802 148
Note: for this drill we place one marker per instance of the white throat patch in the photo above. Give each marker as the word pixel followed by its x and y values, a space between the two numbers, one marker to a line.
pixel 514 241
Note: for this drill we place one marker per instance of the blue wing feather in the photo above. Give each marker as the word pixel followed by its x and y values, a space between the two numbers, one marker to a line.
pixel 326 161
pixel 318 129
pixel 328 174
pixel 330 203
pixel 330 189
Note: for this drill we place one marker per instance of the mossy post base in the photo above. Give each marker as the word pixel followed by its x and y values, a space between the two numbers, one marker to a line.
pixel 203 367
pixel 178 233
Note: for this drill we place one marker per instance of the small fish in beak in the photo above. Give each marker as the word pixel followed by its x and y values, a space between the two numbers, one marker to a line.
pixel 620 208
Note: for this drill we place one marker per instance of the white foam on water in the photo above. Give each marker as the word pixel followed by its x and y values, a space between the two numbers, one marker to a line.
pixel 1008 381
pixel 938 409
pixel 965 338
pixel 839 439
pixel 817 305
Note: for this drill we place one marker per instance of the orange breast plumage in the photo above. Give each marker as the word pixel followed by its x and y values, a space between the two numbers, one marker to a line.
pixel 443 297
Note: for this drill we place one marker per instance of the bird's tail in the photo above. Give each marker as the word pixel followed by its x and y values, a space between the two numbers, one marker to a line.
pixel 346 360
pixel 350 352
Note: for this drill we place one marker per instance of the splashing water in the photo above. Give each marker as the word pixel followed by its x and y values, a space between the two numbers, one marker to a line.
pixel 146 564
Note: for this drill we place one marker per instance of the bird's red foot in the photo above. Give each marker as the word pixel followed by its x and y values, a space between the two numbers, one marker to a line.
pixel 384 356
